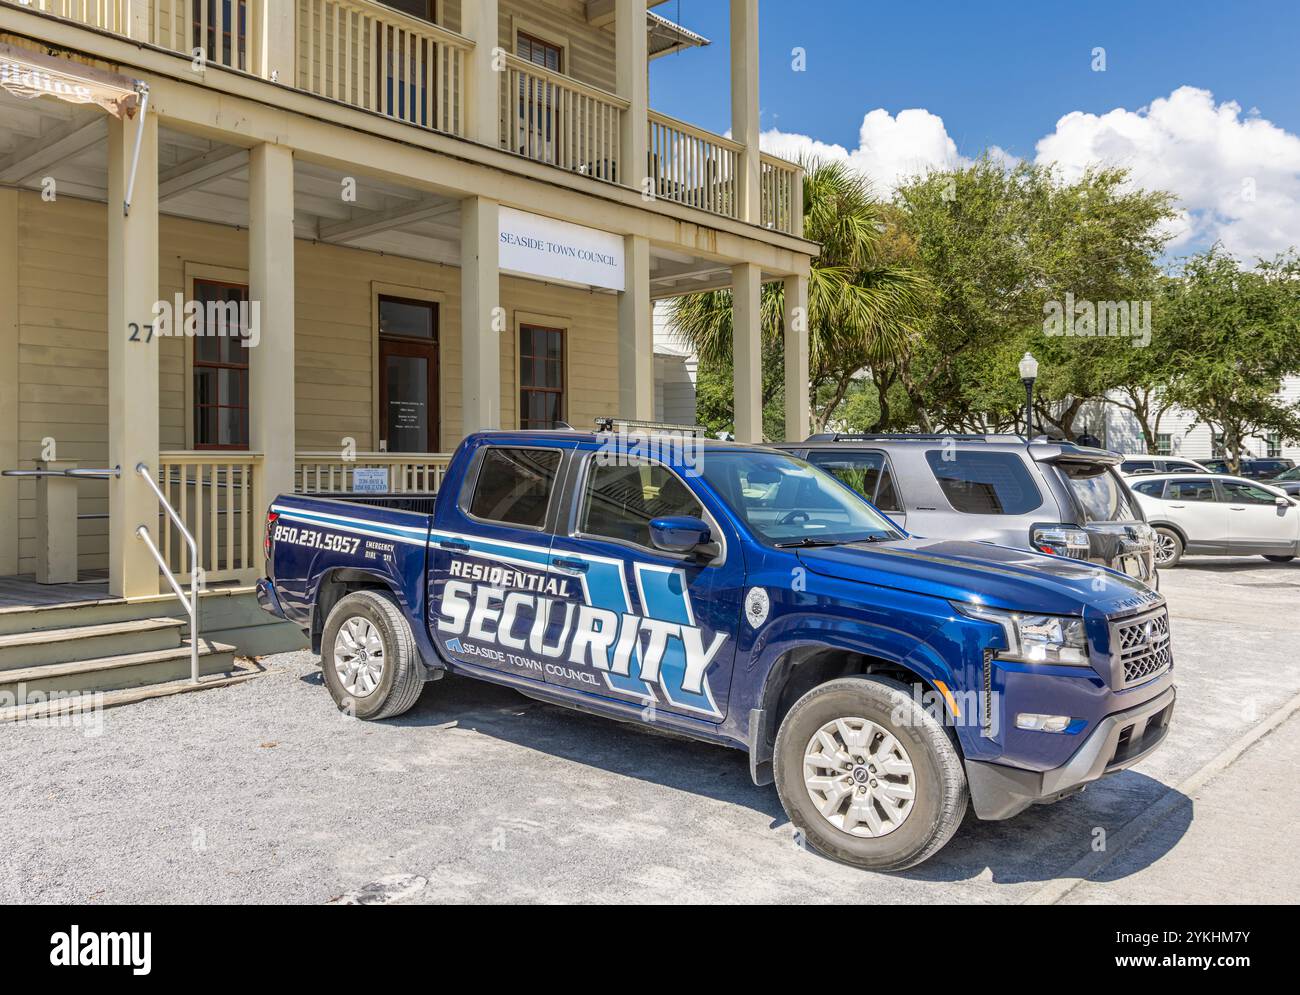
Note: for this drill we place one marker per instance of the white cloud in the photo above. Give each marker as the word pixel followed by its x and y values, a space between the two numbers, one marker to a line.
pixel 1235 174
pixel 890 149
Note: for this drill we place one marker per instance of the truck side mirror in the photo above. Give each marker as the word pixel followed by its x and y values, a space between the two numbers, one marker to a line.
pixel 1282 502
pixel 679 533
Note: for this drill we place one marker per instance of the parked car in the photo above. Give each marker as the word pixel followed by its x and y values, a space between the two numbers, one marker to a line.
pixel 739 596
pixel 1137 465
pixel 1219 516
pixel 1288 481
pixel 1051 497
pixel 1255 469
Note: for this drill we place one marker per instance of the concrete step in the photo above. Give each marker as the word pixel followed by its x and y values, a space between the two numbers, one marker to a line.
pixel 82 710
pixel 22 650
pixel 112 673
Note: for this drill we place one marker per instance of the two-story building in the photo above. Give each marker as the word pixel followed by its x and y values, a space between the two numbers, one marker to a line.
pixel 255 245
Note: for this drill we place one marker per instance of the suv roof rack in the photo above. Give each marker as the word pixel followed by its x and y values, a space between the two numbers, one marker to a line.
pixel 607 423
pixel 909 436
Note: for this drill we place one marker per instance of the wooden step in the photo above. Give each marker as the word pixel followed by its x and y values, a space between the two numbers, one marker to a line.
pixel 113 673
pixel 21 650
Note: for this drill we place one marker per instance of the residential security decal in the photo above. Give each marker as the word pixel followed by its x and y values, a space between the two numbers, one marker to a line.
pixel 583 630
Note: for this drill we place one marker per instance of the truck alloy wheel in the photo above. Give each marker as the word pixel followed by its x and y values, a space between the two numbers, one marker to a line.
pixel 868 775
pixel 359 657
pixel 859 777
pixel 368 656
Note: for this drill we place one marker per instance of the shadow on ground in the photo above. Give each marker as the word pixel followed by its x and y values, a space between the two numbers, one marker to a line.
pixel 1038 845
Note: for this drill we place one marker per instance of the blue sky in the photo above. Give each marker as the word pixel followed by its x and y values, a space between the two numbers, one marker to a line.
pixel 1004 74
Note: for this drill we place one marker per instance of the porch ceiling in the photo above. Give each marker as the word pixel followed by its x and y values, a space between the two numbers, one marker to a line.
pixel 207 181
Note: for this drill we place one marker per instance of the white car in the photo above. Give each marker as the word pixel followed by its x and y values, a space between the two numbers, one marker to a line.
pixel 1143 464
pixel 1217 515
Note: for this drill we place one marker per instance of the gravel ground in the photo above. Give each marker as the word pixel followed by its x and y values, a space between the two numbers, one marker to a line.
pixel 262 792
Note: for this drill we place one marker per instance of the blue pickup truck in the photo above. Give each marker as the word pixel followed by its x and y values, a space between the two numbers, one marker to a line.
pixel 741 596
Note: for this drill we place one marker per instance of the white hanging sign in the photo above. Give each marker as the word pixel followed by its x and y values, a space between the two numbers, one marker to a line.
pixel 534 246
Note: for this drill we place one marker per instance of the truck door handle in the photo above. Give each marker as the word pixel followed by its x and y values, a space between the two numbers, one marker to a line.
pixel 580 566
pixel 460 547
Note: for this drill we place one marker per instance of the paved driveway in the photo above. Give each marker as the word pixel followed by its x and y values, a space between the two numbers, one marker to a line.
pixel 262 792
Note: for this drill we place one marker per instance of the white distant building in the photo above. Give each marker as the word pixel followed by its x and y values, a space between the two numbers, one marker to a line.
pixel 1178 433
pixel 676 366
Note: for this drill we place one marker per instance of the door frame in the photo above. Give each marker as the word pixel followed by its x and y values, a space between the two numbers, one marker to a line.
pixel 379 289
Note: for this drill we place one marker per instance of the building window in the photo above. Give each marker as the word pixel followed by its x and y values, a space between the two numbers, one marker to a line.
pixel 220 366
pixel 1274 444
pixel 540 53
pixel 1164 444
pixel 541 376
pixel 423 9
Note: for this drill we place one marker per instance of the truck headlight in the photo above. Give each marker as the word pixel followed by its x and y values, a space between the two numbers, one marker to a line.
pixel 1058 639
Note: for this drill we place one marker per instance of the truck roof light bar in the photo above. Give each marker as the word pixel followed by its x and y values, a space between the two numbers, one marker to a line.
pixel 607 423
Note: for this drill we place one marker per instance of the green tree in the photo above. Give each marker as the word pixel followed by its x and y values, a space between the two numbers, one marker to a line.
pixel 1234 335
pixel 861 305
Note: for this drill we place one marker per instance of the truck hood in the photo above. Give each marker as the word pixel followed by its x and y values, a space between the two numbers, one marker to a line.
pixel 997 576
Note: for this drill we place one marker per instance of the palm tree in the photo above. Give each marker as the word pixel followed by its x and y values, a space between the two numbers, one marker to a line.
pixel 861 307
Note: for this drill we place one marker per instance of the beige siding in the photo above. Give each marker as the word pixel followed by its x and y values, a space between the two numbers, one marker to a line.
pixel 62 344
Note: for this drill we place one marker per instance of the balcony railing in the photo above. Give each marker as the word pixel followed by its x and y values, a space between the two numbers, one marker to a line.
pixel 781 200
pixel 694 167
pixel 376 58
pixel 371 56
pixel 558 120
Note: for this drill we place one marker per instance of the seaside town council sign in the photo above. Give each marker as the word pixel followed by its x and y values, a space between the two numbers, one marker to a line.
pixel 531 245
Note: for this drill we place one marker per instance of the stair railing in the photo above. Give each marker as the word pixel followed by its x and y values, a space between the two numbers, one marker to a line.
pixel 192 602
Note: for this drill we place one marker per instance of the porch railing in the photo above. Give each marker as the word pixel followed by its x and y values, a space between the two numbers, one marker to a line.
pixel 558 120
pixel 374 57
pixel 694 167
pixel 781 185
pixel 212 493
pixel 330 473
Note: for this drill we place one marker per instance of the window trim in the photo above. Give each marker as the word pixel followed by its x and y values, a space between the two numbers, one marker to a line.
pixel 565 324
pixel 421 294
pixel 206 273
pixel 582 475
pixel 523 26
pixel 466 497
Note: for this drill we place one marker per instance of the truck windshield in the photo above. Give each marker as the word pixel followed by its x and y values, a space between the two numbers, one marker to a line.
pixel 1098 491
pixel 788 502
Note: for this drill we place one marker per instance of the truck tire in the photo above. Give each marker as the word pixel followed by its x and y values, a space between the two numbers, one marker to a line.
pixel 886 808
pixel 1169 547
pixel 368 657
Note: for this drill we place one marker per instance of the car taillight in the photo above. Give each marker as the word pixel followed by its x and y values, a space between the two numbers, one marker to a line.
pixel 271 517
pixel 1060 540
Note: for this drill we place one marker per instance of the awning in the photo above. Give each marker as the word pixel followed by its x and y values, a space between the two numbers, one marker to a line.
pixel 31 74
pixel 667 36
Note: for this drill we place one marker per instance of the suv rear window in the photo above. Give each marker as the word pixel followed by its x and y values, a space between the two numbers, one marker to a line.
pixel 1098 491
pixel 984 483
pixel 514 486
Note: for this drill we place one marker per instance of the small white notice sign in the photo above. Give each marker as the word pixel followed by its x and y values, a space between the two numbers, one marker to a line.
pixel 370 480
pixel 531 245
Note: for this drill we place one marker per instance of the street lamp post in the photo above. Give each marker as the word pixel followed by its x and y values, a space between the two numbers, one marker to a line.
pixel 1028 374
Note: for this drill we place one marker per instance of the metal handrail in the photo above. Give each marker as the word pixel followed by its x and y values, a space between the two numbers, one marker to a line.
pixel 192 604
pixel 77 473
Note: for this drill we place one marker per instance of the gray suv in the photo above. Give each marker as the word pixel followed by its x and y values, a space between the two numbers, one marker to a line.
pixel 1052 497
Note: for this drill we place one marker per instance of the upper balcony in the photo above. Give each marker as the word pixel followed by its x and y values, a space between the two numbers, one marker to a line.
pixel 422 72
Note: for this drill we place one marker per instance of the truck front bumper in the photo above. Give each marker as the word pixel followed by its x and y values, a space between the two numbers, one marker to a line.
pixel 1119 741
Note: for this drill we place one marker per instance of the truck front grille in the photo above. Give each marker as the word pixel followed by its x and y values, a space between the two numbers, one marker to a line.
pixel 1141 647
